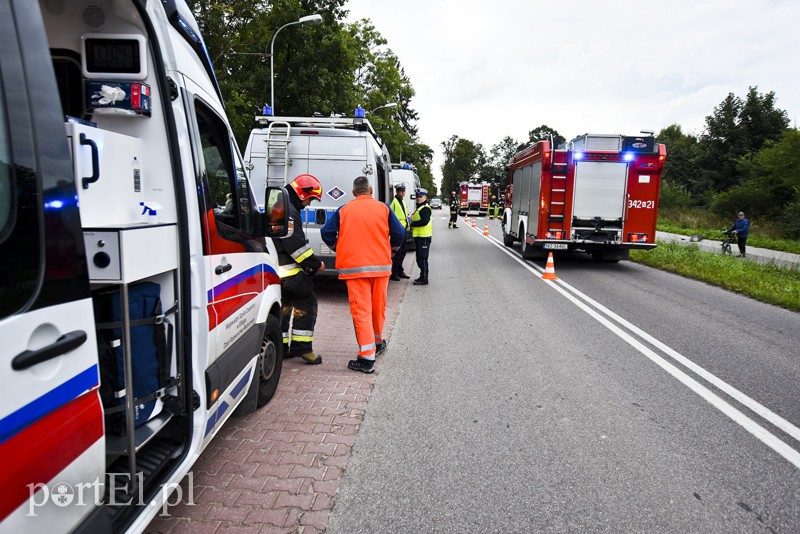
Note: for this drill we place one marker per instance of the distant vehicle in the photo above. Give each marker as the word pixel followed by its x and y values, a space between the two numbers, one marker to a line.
pixel 599 195
pixel 474 198
pixel 334 149
pixel 436 203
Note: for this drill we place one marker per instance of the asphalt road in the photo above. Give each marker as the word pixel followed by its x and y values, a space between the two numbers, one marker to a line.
pixel 618 399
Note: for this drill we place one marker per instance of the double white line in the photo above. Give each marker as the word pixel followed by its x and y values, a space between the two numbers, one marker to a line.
pixel 605 317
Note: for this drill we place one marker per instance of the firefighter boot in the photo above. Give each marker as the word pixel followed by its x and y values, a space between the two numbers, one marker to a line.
pixel 311 358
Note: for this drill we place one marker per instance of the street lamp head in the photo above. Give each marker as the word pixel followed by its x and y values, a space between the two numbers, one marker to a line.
pixel 311 19
pixel 389 105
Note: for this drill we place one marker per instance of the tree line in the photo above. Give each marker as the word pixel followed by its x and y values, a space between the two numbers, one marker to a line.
pixel 329 68
pixel 746 159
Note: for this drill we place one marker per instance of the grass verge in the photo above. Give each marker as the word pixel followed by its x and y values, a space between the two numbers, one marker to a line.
pixel 767 283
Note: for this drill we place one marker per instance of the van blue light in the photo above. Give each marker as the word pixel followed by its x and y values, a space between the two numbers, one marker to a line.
pixel 267 111
pixel 360 113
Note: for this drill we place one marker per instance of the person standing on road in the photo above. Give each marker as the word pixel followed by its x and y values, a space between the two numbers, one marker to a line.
pixel 398 207
pixel 422 230
pixel 364 233
pixel 742 228
pixel 296 265
pixel 453 210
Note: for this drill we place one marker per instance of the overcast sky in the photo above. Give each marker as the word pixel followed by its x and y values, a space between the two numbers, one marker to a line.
pixel 483 70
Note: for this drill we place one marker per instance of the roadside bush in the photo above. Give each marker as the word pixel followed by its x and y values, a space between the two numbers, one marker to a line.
pixel 674 196
pixel 754 201
pixel 789 221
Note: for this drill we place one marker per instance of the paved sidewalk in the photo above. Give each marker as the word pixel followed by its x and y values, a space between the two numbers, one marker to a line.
pixel 758 255
pixel 277 470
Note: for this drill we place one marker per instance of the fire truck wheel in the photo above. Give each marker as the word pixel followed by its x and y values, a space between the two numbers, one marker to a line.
pixel 508 239
pixel 270 361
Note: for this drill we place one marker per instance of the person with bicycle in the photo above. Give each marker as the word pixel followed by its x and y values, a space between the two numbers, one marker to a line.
pixel 741 226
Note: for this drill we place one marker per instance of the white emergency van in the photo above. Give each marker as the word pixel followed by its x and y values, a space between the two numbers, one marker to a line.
pixel 139 300
pixel 336 150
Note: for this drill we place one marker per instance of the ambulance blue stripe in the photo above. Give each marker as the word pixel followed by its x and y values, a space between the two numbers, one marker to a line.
pixel 50 401
pixel 238 388
pixel 239 278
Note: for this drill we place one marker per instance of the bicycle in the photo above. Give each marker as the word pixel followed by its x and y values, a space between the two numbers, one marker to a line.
pixel 728 240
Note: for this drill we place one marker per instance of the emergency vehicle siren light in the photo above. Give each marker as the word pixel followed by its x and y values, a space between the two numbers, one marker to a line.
pixel 578 155
pixel 360 113
pixel 628 156
pixel 267 111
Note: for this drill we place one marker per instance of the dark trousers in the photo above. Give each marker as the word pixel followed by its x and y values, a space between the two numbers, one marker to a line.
pixel 299 305
pixel 423 250
pixel 741 242
pixel 453 218
pixel 398 259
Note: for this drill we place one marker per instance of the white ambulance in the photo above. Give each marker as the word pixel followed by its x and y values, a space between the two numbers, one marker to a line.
pixel 336 150
pixel 139 300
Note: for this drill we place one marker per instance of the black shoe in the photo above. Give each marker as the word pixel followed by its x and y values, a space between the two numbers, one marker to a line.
pixel 454 226
pixel 361 364
pixel 380 347
pixel 394 277
pixel 404 276
pixel 420 282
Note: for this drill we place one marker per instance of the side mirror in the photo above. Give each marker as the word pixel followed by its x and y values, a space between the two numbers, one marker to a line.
pixel 275 219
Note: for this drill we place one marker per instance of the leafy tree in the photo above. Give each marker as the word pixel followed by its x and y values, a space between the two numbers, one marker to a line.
pixel 545 133
pixel 736 128
pixel 681 167
pixel 328 68
pixel 463 161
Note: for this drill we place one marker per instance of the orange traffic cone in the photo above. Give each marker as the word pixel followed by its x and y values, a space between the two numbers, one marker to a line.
pixel 486 229
pixel 466 218
pixel 474 224
pixel 550 269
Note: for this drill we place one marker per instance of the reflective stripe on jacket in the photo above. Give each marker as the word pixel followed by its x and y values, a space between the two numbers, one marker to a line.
pixel 422 222
pixel 363 231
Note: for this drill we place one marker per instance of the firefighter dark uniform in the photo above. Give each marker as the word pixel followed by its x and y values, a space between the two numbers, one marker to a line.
pixel 422 230
pixel 494 208
pixel 297 264
pixel 453 210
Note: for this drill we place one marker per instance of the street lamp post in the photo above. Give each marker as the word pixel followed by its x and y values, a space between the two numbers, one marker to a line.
pixel 312 19
pixel 389 105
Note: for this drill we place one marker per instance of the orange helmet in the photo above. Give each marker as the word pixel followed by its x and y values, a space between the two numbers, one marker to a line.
pixel 307 186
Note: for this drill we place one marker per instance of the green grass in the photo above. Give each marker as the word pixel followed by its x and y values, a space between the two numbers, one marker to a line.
pixel 700 222
pixel 767 283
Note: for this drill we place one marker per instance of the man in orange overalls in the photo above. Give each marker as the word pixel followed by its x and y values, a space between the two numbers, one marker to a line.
pixel 364 232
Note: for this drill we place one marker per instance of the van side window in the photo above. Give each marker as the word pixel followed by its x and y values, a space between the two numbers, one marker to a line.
pixel 217 156
pixel 20 212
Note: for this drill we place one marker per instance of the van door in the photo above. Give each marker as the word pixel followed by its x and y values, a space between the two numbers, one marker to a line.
pixel 51 419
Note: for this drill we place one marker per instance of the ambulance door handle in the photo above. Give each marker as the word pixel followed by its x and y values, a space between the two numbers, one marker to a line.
pixel 95 161
pixel 64 344
pixel 224 268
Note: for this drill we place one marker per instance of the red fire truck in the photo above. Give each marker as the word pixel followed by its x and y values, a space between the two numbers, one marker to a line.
pixel 474 197
pixel 599 195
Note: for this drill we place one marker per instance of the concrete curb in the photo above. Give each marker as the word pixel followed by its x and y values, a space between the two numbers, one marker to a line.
pixel 755 254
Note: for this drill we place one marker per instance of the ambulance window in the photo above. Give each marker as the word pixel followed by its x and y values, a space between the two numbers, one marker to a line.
pixel 20 197
pixel 223 180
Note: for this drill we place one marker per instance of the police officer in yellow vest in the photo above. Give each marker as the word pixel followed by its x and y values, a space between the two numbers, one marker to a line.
pixel 398 206
pixel 422 230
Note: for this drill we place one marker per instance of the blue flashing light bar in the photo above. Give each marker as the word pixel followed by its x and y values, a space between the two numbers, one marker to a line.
pixel 578 155
pixel 267 110
pixel 360 113
pixel 628 156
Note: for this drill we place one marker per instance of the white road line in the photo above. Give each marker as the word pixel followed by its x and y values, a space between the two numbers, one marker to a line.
pixel 766 437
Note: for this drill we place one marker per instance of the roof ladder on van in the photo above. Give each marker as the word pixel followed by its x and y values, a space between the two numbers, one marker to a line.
pixel 277 154
pixel 558 197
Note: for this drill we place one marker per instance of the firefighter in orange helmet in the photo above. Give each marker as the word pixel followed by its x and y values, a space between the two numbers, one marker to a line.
pixel 297 264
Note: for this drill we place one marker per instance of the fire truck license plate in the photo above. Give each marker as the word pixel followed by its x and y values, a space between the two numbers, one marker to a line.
pixel 556 246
